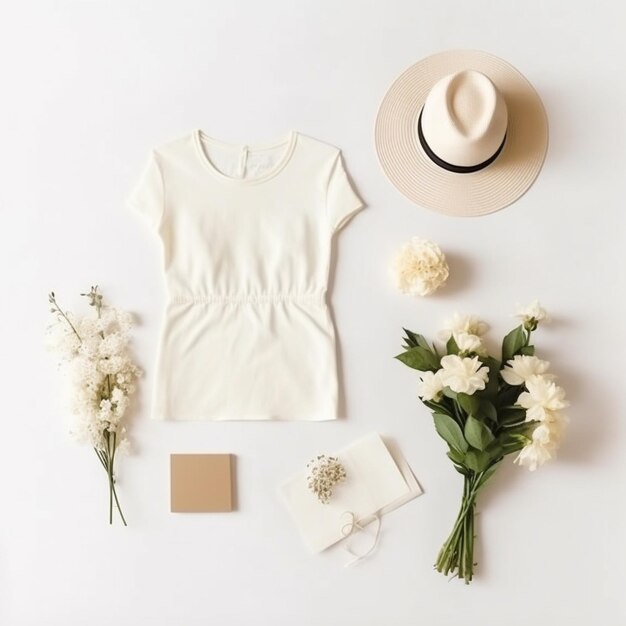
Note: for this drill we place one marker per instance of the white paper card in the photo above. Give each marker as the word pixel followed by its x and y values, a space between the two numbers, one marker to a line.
pixel 375 485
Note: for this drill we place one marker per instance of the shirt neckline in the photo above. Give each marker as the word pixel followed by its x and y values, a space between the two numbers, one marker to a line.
pixel 290 140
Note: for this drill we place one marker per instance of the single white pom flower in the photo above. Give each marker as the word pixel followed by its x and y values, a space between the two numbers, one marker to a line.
pixel 420 267
pixel 430 386
pixel 463 375
pixel 519 369
pixel 543 400
pixel 531 315
pixel 469 324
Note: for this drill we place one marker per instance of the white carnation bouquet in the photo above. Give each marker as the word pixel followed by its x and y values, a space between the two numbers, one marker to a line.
pixel 97 365
pixel 485 409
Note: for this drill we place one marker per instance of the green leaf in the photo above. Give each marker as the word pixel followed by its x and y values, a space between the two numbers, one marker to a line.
pixel 438 407
pixel 488 410
pixel 477 433
pixel 515 438
pixel 451 346
pixel 491 389
pixel 461 470
pixel 513 343
pixel 527 350
pixel 455 457
pixel 469 404
pixel 477 460
pixel 507 397
pixel 413 340
pixel 488 473
pixel 506 417
pixel 450 432
pixel 419 359
pixel 495 450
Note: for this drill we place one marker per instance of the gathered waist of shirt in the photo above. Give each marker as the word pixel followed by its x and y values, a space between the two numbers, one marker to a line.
pixel 310 297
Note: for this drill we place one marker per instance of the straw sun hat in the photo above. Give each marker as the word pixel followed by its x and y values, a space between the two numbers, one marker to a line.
pixel 462 132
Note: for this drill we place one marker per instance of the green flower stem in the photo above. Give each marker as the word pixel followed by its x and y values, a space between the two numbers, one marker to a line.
pixel 457 553
pixel 458 414
pixel 56 308
pixel 101 458
pixel 96 301
pixel 107 460
pixel 117 502
pixel 110 473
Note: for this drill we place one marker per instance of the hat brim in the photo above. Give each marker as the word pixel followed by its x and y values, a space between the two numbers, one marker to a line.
pixel 478 193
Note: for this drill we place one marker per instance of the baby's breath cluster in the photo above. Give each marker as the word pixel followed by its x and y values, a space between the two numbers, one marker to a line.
pixel 326 472
pixel 100 373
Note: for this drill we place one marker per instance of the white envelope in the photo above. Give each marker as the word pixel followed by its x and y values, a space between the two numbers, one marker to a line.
pixel 376 484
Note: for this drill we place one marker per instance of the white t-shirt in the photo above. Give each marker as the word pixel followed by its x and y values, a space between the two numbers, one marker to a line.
pixel 246 234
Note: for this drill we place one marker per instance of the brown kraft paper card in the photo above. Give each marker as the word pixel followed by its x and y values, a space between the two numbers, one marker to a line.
pixel 201 483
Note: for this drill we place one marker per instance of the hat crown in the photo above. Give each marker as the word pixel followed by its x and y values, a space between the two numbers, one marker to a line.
pixel 464 119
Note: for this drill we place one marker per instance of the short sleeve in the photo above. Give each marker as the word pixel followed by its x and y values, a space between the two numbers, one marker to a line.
pixel 147 196
pixel 342 199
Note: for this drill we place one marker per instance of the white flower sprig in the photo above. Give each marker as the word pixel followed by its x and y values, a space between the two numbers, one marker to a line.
pixel 96 361
pixel 486 408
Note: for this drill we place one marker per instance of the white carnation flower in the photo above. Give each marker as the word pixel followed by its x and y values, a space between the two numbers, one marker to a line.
pixel 430 386
pixel 544 444
pixel 468 344
pixel 519 369
pixel 463 375
pixel 533 455
pixel 420 267
pixel 469 324
pixel 531 315
pixel 543 400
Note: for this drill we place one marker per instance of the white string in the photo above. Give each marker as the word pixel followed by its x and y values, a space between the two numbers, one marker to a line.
pixel 351 528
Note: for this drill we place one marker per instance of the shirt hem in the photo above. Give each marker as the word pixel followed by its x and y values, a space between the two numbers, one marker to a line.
pixel 161 417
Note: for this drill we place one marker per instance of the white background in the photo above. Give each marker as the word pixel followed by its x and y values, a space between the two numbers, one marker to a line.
pixel 87 89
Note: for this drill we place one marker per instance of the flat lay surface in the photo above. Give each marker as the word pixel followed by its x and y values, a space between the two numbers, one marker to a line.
pixel 89 89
